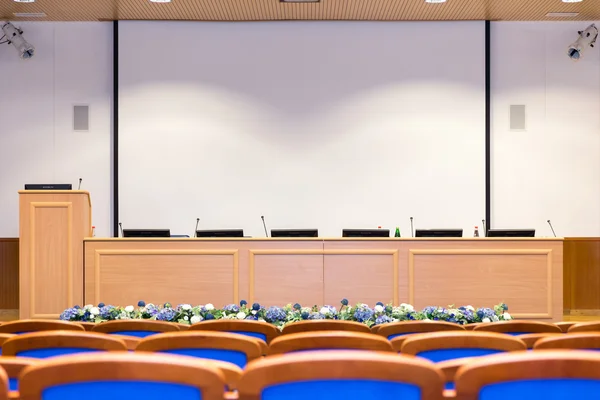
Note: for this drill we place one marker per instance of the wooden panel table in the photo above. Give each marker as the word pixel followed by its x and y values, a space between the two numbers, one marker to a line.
pixel 582 276
pixel 524 273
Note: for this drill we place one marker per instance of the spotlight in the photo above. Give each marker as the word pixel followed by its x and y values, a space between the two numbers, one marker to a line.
pixel 13 36
pixel 586 38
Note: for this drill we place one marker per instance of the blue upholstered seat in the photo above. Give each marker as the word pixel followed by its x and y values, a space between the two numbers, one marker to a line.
pixel 13 384
pixel 141 334
pixel 235 357
pixel 258 335
pixel 454 353
pixel 54 351
pixel 547 389
pixel 342 389
pixel 390 337
pixel 121 390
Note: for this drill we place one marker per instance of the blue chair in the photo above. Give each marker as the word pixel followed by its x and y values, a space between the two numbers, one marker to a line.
pixel 442 346
pixel 13 367
pixel 531 339
pixel 325 325
pixel 137 328
pixel 122 376
pixel 58 343
pixel 548 374
pixel 38 325
pixel 256 329
pixel 402 328
pixel 3 385
pixel 328 340
pixel 341 374
pixel 516 328
pixel 571 341
pixel 593 326
pixel 222 346
pixel 3 338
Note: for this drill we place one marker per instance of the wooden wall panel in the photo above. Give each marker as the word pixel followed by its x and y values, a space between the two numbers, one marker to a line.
pixel 9 273
pixel 582 273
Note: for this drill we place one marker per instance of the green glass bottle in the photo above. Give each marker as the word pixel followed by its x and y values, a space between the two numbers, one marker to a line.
pixel 397 234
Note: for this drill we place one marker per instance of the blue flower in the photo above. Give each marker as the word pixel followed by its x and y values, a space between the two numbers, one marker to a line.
pixel 166 314
pixel 231 308
pixel 77 307
pixel 297 306
pixel 100 305
pixel 141 303
pixel 379 304
pixel 252 317
pixel 275 314
pixel 504 307
pixel 256 306
pixel 485 313
pixel 316 315
pixel 363 314
pixel 151 310
pixel 106 312
pixel 344 302
pixel 243 303
pixel 305 315
pixel 69 314
pixel 209 317
pixel 384 319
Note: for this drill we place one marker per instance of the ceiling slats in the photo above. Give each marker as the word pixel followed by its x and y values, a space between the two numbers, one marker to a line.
pixel 269 10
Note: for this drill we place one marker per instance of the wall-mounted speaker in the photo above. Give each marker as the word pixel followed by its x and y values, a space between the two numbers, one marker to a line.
pixel 517 117
pixel 81 118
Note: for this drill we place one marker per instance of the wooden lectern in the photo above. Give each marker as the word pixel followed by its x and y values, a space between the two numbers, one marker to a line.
pixel 53 224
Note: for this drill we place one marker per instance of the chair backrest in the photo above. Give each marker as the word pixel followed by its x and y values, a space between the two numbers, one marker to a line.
pixel 134 327
pixel 224 346
pixel 402 328
pixel 260 330
pixel 3 385
pixel 13 367
pixel 37 325
pixel 531 338
pixel 442 346
pixel 130 341
pixel 134 376
pixel 58 343
pixel 325 325
pixel 232 373
pixel 518 327
pixel 321 340
pixel 583 327
pixel 183 327
pixel 449 369
pixel 88 326
pixel 583 341
pixel 341 374
pixel 554 374
pixel 4 337
pixel 471 327
pixel 565 325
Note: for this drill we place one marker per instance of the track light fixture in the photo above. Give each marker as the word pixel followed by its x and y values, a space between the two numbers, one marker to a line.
pixel 13 36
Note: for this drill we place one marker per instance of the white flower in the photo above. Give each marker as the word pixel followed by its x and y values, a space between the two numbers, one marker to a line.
pixel 253 312
pixel 185 318
pixel 495 318
pixel 129 308
pixel 209 307
pixel 94 311
pixel 407 307
pixel 507 316
pixel 486 319
pixel 470 308
pixel 195 319
pixel 261 320
pixel 379 308
pixel 186 307
pixel 241 315
pixel 324 310
pixel 88 306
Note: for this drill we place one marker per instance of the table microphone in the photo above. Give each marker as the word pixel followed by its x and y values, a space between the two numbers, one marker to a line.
pixel 484 230
pixel 196 230
pixel 264 225
pixel 550 223
pixel 121 228
pixel 79 187
pixel 412 233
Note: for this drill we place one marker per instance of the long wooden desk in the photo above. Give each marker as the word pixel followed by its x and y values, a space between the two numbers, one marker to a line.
pixel 524 273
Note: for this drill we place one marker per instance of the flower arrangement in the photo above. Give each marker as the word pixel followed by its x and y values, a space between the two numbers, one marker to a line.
pixel 281 316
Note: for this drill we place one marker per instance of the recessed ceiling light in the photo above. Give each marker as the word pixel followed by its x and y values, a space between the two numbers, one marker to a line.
pixel 299 1
pixel 160 1
pixel 562 14
pixel 435 1
pixel 572 1
pixel 30 15
pixel 24 1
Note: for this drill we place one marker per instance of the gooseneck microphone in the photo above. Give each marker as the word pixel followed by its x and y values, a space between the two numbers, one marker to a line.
pixel 196 230
pixel 264 225
pixel 121 229
pixel 484 230
pixel 79 187
pixel 550 223
pixel 412 231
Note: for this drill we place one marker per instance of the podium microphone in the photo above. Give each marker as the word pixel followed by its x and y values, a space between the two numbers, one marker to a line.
pixel 121 229
pixel 550 223
pixel 264 225
pixel 196 230
pixel 79 187
pixel 484 230
pixel 412 231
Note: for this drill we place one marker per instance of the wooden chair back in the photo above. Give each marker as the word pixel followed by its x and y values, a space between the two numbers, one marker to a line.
pixel 260 330
pixel 13 367
pixel 325 325
pixel 88 326
pixel 442 346
pixel 593 326
pixel 137 328
pixel 565 325
pixel 4 337
pixel 531 338
pixel 235 348
pixel 534 374
pixel 104 373
pixel 341 374
pixel 49 344
pixel 449 369
pixel 471 327
pixel 395 329
pixel 518 327
pixel 328 340
pixel 232 373
pixel 130 341
pixel 583 341
pixel 183 327
pixel 3 385
pixel 37 325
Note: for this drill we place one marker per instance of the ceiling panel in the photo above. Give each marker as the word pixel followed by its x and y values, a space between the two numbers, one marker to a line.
pixel 259 10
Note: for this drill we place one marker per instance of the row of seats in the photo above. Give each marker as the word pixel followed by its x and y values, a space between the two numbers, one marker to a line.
pixel 318 375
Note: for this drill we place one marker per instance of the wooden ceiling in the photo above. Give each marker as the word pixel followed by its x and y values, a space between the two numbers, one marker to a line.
pixel 260 10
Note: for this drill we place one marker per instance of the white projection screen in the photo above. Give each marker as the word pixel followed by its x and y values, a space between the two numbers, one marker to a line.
pixel 324 125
